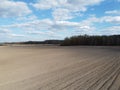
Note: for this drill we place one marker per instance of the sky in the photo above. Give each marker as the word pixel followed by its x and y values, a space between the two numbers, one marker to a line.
pixel 38 20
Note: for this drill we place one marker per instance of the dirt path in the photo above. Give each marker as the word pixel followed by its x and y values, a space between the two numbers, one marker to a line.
pixel 59 68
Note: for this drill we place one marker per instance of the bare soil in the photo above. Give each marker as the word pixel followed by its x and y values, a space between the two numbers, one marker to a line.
pixel 36 67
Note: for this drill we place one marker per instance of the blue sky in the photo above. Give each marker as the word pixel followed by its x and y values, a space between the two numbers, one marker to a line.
pixel 24 20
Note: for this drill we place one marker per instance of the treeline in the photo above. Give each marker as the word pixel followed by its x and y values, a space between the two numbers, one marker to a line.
pixel 112 40
pixel 43 42
pixel 1 44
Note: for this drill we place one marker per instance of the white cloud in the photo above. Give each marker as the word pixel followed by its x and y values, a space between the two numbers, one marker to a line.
pixel 107 19
pixel 13 9
pixel 111 19
pixel 4 31
pixel 78 5
pixel 46 4
pixel 113 12
pixel 62 28
pixel 114 28
pixel 81 5
pixel 49 27
pixel 46 33
pixel 62 14
pixel 27 18
pixel 35 32
pixel 67 23
pixel 64 9
pixel 56 26
pixel 8 33
pixel 16 35
pixel 111 30
pixel 31 24
pixel 44 24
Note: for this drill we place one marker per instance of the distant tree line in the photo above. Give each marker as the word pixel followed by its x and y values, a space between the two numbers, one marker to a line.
pixel 1 44
pixel 43 42
pixel 111 40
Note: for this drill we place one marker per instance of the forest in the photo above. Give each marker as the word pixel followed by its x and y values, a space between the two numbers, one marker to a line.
pixel 96 40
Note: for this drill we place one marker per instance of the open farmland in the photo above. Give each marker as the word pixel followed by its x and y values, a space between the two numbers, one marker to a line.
pixel 36 67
